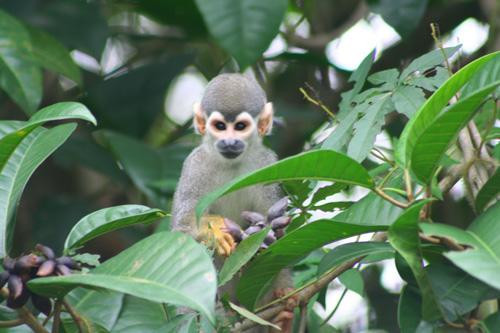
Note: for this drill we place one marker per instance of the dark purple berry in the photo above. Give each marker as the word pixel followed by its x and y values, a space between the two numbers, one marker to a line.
pixel 277 209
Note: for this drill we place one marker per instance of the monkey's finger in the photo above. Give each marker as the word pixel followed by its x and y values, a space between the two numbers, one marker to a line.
pixel 284 320
pixel 225 248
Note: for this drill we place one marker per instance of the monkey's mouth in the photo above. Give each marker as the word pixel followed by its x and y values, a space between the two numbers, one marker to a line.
pixel 230 154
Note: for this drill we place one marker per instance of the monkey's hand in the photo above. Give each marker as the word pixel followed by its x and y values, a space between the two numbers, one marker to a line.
pixel 284 319
pixel 214 234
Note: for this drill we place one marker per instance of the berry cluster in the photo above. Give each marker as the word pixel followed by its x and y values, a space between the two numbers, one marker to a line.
pixel 276 218
pixel 19 271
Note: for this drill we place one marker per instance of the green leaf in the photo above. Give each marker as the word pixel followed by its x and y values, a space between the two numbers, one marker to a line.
pixel 367 128
pixel 109 219
pixel 409 309
pixel 482 260
pixel 58 111
pixel 408 99
pixel 492 323
pixel 389 76
pixel 165 267
pixel 458 292
pixel 489 191
pixel 245 28
pixel 403 236
pixel 428 61
pixel 252 316
pixel 404 15
pixel 432 108
pixel 317 164
pixel 359 78
pixel 352 280
pixel 372 210
pixel 49 53
pixel 343 132
pixel 20 77
pixel 244 252
pixel 290 249
pixel 430 147
pixel 346 252
pixel 19 167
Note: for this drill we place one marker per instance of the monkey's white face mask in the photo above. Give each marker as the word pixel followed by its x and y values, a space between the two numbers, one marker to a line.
pixel 231 137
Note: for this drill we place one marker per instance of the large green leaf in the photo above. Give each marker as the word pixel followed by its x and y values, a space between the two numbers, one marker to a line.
pixel 317 164
pixel 290 249
pixel 372 210
pixel 433 107
pixel 431 146
pixel 26 157
pixel 457 292
pixel 245 28
pixel 244 252
pixel 165 267
pixel 20 76
pixel 109 219
pixel 49 53
pixel 349 251
pixel 489 190
pixel 403 236
pixel 482 259
pixel 59 111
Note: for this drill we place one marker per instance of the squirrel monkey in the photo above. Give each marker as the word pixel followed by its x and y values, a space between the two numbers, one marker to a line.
pixel 233 117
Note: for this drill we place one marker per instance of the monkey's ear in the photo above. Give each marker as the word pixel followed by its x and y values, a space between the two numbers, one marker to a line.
pixel 200 124
pixel 265 123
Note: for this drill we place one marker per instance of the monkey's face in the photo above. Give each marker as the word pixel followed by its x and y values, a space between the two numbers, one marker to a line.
pixel 231 135
pixel 230 138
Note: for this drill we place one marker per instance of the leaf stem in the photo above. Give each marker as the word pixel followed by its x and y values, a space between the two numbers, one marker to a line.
pixel 409 190
pixel 387 197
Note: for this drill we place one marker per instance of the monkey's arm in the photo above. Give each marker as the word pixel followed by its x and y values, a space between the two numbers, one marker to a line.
pixel 193 184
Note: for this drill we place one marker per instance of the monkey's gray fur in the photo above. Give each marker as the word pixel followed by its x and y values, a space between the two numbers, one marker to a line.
pixel 204 170
pixel 239 94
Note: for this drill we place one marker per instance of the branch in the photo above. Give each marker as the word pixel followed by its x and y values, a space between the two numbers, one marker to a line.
pixel 319 41
pixel 303 296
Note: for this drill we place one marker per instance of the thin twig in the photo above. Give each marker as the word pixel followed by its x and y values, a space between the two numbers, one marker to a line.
pixel 26 316
pixel 11 323
pixel 75 316
pixel 57 316
pixel 317 103
pixel 303 318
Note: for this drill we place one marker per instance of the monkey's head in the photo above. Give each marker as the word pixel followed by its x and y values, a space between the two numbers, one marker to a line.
pixel 233 114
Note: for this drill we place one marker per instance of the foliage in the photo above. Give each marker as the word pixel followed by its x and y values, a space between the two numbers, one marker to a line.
pixel 446 132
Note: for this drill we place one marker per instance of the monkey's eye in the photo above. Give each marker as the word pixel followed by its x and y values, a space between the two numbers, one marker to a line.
pixel 220 125
pixel 240 126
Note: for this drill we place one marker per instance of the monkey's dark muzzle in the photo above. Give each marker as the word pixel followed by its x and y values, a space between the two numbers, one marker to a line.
pixel 230 148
